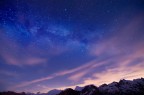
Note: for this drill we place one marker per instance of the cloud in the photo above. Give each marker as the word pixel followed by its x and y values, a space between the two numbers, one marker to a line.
pixel 125 39
pixel 35 52
pixel 123 53
pixel 61 73
pixel 88 66
pixel 26 60
pixel 75 73
pixel 78 75
pixel 33 81
pixel 120 56
pixel 117 73
pixel 121 50
pixel 8 73
pixel 125 67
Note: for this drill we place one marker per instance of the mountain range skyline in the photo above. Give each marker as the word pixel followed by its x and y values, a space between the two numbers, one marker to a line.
pixel 123 87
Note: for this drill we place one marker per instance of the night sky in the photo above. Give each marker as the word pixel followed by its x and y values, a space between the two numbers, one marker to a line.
pixel 47 44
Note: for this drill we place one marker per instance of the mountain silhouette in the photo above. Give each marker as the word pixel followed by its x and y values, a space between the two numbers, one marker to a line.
pixel 123 87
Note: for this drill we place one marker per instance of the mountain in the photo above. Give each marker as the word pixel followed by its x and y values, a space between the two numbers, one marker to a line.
pixel 54 92
pixel 78 88
pixel 12 93
pixel 123 87
pixel 69 91
pixel 90 90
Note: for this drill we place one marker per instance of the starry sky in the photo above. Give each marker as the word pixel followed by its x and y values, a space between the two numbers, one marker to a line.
pixel 47 44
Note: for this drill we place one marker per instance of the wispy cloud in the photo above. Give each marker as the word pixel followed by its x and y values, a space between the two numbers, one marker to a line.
pixel 120 56
pixel 13 53
pixel 8 73
pixel 123 50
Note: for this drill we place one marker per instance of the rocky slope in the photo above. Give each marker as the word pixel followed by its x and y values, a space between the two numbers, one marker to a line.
pixel 123 87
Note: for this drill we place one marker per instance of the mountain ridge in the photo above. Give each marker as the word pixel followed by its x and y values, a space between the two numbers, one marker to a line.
pixel 123 87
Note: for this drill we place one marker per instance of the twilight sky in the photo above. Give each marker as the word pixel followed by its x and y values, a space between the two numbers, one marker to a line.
pixel 46 44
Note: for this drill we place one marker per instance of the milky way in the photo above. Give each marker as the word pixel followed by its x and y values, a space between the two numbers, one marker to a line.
pixel 47 44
